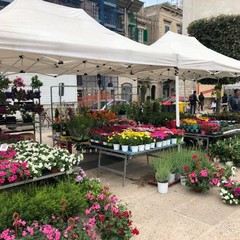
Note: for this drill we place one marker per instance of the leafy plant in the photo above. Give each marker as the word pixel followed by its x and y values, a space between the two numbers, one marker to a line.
pixel 36 83
pixel 79 126
pixel 162 168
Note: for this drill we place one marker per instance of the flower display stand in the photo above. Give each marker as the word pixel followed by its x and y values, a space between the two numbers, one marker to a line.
pixel 21 182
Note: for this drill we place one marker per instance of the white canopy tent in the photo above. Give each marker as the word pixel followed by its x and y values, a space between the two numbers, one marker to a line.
pixel 41 37
pixel 192 61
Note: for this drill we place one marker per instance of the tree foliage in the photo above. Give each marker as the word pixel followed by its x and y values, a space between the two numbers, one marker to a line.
pixel 220 34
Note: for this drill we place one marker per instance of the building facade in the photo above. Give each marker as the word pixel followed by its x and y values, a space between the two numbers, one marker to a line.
pixel 160 19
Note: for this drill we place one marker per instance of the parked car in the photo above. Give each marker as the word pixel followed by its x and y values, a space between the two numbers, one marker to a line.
pixel 106 104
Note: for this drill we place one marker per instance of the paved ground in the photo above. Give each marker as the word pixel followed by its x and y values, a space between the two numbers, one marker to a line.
pixel 178 215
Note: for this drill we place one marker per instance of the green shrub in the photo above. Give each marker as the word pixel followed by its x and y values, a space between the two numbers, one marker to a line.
pixel 34 202
pixel 226 150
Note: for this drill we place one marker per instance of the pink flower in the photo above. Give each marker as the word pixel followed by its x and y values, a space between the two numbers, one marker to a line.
pixel 214 181
pixel 89 196
pixel 112 198
pixel 87 211
pixel 24 233
pixel 101 197
pixel 204 173
pixel 30 230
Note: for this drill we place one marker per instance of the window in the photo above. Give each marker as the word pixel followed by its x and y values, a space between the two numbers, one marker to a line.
pixel 140 35
pixel 179 29
pixel 167 26
pixel 126 91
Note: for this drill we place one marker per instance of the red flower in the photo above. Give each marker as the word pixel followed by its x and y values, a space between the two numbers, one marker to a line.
pixel 221 170
pixel 101 217
pixel 126 214
pixel 194 156
pixel 185 168
pixel 135 231
pixel 120 230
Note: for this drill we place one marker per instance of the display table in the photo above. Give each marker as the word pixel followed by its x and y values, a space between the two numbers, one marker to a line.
pixel 14 184
pixel 127 156
pixel 62 143
pixel 210 137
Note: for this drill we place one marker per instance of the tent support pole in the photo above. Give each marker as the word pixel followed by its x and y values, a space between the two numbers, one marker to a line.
pixel 177 97
pixel 185 107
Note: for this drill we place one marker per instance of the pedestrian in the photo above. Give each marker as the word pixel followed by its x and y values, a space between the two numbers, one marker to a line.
pixel 234 101
pixel 214 105
pixel 224 102
pixel 201 99
pixel 193 102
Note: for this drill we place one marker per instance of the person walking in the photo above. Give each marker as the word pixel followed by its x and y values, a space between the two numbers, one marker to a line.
pixel 234 101
pixel 201 99
pixel 193 102
pixel 224 102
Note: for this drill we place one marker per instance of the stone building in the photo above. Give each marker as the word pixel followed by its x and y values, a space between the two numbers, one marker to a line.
pixel 161 18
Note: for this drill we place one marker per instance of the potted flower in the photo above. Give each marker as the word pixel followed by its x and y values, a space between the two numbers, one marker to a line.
pixel 230 191
pixel 202 175
pixel 4 82
pixel 11 170
pixel 124 141
pixel 36 83
pixel 114 139
pixel 162 169
pixel 41 157
pixel 158 136
pixel 79 126
pixel 56 127
pixel 147 140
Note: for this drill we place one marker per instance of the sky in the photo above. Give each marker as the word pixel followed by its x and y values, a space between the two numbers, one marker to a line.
pixel 153 2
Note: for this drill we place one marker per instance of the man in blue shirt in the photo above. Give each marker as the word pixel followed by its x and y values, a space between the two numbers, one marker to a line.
pixel 234 101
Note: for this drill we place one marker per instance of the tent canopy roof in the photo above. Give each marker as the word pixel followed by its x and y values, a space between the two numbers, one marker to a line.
pixel 194 59
pixel 38 36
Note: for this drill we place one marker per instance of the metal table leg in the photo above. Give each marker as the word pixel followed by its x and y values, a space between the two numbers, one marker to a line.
pixel 99 162
pixel 125 169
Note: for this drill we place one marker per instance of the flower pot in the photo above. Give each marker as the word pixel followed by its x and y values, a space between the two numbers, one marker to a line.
pixel 105 143
pixel 162 187
pixel 177 176
pixel 116 146
pixel 147 146
pixel 153 145
pixel 168 142
pixel 58 134
pixel 174 140
pixel 164 143
pixel 124 148
pixel 159 144
pixel 182 180
pixel 134 148
pixel 141 148
pixel 172 178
